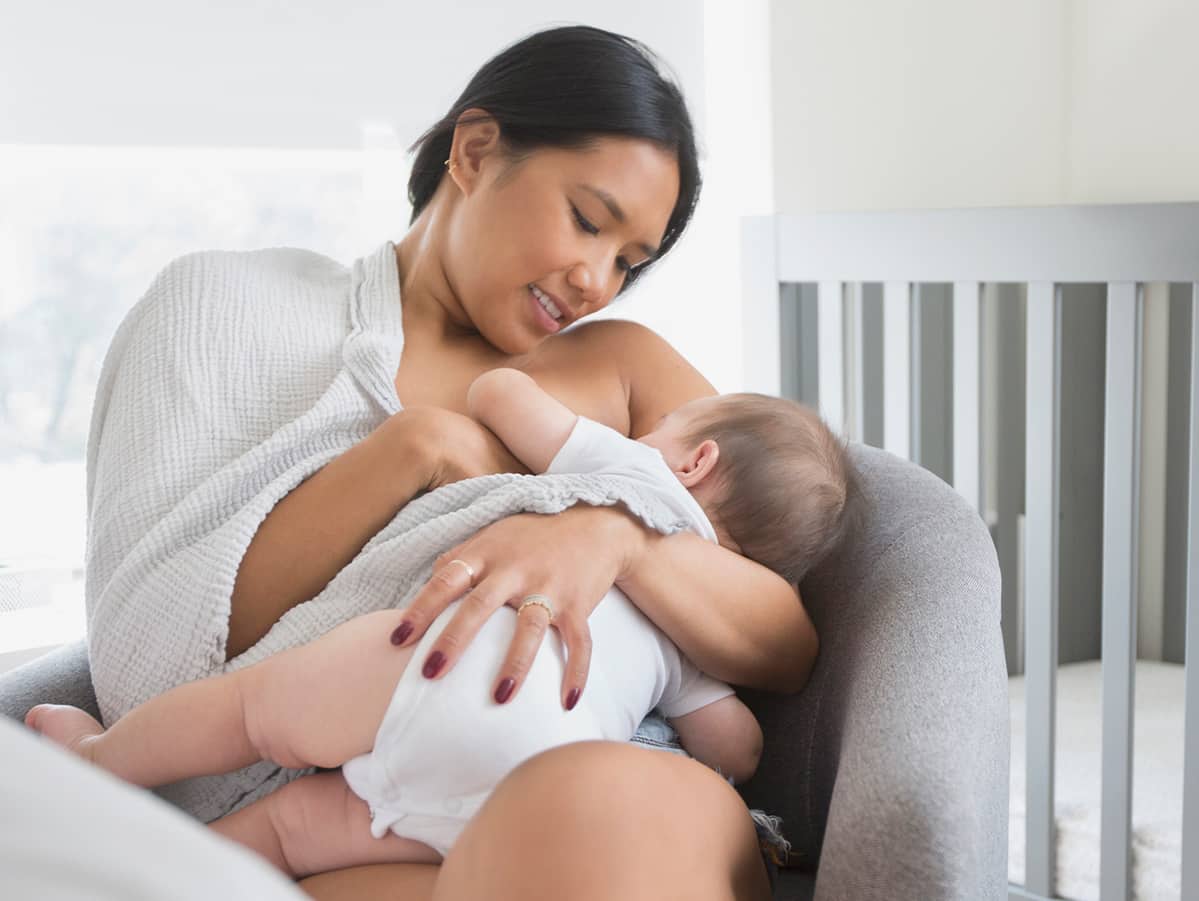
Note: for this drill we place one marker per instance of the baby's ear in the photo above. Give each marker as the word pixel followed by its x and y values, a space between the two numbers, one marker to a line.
pixel 699 463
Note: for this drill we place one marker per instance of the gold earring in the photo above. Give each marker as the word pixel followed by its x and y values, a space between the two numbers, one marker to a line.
pixel 450 166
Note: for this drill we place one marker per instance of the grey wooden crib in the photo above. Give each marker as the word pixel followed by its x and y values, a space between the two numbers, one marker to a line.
pixel 837 313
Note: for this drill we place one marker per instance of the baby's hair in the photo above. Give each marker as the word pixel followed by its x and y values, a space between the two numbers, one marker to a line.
pixel 788 492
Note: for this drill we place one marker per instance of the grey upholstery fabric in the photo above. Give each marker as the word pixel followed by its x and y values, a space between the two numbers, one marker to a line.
pixel 890 769
pixel 59 677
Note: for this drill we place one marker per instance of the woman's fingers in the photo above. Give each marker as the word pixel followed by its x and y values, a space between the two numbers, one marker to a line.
pixel 507 560
pixel 532 622
pixel 452 578
pixel 576 635
pixel 476 608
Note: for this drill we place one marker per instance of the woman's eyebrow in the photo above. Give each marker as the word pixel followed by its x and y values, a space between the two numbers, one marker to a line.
pixel 617 213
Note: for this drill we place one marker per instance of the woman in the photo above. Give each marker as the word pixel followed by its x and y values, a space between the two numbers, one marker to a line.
pixel 567 167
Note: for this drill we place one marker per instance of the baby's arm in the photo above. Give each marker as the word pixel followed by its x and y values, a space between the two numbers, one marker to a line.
pixel 531 423
pixel 725 735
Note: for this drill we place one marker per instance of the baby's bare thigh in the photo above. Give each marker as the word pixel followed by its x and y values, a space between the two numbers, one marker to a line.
pixel 321 704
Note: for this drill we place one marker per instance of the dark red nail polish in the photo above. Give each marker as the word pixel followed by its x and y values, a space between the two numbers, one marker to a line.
pixel 504 692
pixel 572 699
pixel 400 635
pixel 434 664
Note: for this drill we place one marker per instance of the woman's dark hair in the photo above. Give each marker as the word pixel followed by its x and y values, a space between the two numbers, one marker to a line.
pixel 565 88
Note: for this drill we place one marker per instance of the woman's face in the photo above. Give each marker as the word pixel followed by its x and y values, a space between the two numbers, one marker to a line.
pixel 540 243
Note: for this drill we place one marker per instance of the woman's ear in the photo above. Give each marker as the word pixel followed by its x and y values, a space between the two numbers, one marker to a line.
pixel 699 463
pixel 476 138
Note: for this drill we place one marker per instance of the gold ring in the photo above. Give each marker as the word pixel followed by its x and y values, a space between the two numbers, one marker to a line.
pixel 470 571
pixel 540 600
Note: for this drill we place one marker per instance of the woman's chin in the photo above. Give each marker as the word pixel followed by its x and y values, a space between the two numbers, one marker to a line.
pixel 514 342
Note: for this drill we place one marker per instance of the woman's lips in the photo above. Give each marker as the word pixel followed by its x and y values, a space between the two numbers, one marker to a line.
pixel 544 319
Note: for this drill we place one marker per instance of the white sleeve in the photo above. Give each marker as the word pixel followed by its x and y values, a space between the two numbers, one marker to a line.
pixel 693 690
pixel 591 447
pixel 594 448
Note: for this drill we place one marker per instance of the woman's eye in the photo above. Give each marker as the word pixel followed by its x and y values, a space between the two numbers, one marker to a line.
pixel 583 222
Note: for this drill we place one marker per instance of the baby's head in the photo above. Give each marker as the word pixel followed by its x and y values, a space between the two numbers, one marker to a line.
pixel 774 480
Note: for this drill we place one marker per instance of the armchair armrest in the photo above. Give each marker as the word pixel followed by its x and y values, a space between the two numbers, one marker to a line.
pixel 891 768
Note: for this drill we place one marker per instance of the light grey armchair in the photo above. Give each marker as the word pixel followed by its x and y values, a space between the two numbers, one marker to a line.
pixel 890 769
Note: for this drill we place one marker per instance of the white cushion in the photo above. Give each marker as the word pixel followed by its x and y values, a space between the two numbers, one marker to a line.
pixel 69 830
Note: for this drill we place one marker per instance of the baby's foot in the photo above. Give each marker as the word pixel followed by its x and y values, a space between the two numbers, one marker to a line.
pixel 67 726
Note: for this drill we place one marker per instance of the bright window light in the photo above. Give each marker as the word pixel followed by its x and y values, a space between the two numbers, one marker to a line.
pixel 83 232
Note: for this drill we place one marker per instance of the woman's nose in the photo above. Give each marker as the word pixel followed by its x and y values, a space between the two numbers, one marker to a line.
pixel 584 278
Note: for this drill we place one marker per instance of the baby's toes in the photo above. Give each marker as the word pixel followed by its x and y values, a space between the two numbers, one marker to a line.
pixel 66 726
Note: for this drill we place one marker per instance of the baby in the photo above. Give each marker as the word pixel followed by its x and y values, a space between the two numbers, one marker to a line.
pixel 419 757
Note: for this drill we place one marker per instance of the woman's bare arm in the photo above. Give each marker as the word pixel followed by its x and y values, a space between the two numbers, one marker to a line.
pixel 735 619
pixel 325 521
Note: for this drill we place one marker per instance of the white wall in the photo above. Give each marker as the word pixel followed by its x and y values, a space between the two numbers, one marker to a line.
pixel 694 299
pixel 300 73
pixel 949 103
pixel 965 103
pixel 312 73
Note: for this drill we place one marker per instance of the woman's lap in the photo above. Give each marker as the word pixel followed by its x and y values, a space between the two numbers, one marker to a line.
pixel 602 820
pixel 587 821
pixel 667 822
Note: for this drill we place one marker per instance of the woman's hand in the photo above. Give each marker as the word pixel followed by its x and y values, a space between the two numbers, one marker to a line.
pixel 572 558
pixel 447 446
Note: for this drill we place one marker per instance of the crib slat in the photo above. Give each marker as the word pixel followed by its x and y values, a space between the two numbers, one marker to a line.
pixel 830 356
pixel 855 326
pixel 1043 373
pixel 966 391
pixel 1190 752
pixel 897 368
pixel 1121 465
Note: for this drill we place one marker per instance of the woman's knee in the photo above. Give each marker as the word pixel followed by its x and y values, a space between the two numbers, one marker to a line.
pixel 608 820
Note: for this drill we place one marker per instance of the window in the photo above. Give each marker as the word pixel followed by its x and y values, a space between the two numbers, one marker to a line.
pixel 83 231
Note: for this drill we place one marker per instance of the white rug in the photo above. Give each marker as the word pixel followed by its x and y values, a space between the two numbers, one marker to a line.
pixel 1157 781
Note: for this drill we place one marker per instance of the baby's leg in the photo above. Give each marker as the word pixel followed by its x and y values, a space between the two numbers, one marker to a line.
pixel 316 824
pixel 316 705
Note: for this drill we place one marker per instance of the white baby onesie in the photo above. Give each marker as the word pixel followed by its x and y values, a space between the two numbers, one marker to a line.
pixel 444 745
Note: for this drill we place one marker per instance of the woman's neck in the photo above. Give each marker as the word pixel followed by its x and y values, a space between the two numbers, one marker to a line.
pixel 426 295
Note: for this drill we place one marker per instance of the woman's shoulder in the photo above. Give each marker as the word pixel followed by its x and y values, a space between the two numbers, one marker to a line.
pixel 209 287
pixel 656 377
pixel 217 311
pixel 620 342
pixel 207 267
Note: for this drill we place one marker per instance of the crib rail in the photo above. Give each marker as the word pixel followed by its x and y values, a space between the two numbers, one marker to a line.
pixel 1122 247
